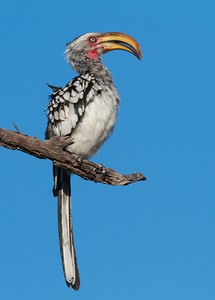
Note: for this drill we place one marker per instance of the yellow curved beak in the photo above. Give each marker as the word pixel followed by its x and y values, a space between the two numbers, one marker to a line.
pixel 119 41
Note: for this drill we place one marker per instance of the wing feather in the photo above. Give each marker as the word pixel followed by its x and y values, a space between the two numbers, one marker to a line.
pixel 68 104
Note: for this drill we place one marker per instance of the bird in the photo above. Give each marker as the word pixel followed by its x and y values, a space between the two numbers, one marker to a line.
pixel 85 110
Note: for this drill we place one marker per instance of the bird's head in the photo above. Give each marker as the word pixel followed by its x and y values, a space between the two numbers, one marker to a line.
pixel 86 50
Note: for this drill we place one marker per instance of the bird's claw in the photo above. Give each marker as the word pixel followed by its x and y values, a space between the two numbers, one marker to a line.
pixel 102 169
pixel 61 141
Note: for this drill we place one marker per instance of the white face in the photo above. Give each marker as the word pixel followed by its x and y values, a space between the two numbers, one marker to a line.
pixel 82 41
pixel 82 50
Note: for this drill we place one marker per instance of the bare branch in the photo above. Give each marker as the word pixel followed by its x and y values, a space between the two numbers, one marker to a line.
pixel 54 149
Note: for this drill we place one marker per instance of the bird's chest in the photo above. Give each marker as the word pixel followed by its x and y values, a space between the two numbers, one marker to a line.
pixel 96 125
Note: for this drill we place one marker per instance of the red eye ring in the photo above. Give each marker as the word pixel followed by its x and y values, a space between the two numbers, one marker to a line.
pixel 92 39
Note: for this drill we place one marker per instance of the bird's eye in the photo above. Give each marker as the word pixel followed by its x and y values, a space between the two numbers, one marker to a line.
pixel 92 39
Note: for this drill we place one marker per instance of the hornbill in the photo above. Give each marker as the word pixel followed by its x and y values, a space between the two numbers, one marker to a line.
pixel 85 110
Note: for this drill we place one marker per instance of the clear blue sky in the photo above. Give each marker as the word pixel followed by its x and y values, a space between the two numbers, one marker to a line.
pixel 152 240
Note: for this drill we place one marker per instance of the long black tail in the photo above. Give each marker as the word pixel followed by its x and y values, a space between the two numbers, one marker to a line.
pixel 62 190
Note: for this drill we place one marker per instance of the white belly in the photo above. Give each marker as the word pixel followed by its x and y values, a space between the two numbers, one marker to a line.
pixel 95 126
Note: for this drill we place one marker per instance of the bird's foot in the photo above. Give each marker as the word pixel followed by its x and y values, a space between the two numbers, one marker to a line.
pixel 60 141
pixel 102 170
pixel 79 160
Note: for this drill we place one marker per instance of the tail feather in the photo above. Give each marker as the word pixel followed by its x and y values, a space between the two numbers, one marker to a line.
pixel 67 247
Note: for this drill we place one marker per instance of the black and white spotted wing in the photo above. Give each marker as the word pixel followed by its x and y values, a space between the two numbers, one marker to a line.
pixel 68 104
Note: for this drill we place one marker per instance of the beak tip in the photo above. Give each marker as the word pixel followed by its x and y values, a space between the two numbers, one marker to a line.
pixel 139 55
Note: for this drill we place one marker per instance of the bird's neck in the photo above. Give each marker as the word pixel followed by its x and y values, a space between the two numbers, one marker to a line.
pixel 82 65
